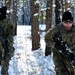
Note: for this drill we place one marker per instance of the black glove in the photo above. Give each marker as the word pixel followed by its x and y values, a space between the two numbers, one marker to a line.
pixel 58 45
pixel 47 51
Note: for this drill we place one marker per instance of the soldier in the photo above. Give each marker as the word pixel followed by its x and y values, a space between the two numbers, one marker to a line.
pixel 66 29
pixel 7 32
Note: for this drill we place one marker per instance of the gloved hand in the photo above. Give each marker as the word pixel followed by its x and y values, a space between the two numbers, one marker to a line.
pixel 58 44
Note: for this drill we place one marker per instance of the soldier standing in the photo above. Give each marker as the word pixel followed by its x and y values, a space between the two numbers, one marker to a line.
pixel 7 33
pixel 66 30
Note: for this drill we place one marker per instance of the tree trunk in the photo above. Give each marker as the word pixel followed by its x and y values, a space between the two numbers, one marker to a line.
pixel 8 4
pixel 35 26
pixel 48 23
pixel 15 15
pixel 49 14
pixel 57 11
pixel 63 6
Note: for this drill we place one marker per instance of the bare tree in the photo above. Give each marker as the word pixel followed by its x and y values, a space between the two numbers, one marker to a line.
pixel 35 25
pixel 15 15
pixel 48 22
pixel 57 11
pixel 63 6
pixel 49 14
pixel 8 4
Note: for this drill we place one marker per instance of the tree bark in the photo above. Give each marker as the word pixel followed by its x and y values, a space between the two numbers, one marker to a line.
pixel 35 26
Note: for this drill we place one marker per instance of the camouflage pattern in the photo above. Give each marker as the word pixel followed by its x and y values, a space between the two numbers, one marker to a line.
pixel 1 50
pixel 9 33
pixel 67 36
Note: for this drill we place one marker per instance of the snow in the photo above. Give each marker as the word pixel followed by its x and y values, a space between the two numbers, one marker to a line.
pixel 28 62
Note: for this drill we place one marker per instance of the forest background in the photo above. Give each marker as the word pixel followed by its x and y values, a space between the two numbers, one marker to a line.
pixel 37 12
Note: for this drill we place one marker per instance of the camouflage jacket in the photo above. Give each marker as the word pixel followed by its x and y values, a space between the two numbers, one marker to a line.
pixel 67 36
pixel 9 28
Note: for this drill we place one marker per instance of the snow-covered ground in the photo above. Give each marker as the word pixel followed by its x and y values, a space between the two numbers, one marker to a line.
pixel 28 62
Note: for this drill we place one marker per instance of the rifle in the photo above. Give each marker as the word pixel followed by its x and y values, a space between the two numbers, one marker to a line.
pixel 64 50
pixel 4 43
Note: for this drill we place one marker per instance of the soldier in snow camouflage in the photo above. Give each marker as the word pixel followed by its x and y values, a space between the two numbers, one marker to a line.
pixel 8 28
pixel 66 30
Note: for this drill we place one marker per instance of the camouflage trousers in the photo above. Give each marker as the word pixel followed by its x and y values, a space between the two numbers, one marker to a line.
pixel 5 63
pixel 5 67
pixel 59 66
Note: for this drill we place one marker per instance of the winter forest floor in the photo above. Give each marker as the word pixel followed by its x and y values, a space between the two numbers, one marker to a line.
pixel 28 62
